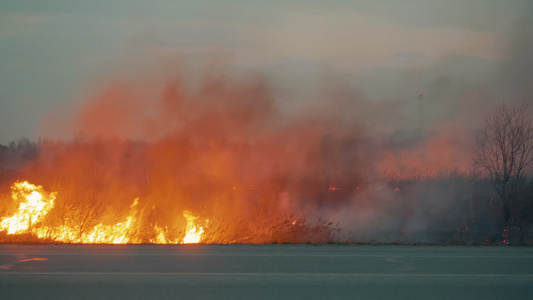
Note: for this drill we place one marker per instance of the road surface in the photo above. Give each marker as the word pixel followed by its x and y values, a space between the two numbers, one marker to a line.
pixel 264 272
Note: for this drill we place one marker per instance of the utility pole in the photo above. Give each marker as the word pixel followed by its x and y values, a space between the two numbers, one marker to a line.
pixel 420 119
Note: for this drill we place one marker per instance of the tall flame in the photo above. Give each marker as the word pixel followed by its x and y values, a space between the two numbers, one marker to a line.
pixel 32 209
pixel 193 231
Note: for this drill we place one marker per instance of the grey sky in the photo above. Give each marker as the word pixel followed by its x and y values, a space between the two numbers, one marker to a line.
pixel 51 51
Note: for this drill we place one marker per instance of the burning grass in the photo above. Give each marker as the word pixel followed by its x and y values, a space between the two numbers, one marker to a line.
pixel 36 220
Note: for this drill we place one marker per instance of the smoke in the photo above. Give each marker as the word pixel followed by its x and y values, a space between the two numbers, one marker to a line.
pixel 226 147
pixel 516 70
pixel 226 150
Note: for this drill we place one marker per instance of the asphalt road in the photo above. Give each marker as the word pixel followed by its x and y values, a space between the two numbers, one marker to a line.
pixel 264 272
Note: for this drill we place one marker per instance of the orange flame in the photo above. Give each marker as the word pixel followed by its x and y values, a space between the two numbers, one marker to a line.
pixel 193 232
pixel 118 233
pixel 33 207
pixel 35 204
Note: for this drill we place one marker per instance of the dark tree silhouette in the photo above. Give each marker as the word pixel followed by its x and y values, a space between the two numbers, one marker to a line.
pixel 504 152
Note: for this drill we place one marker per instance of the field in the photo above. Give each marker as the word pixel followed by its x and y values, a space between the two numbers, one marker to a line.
pixel 264 272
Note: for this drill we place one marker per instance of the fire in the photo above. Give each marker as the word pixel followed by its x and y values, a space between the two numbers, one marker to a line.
pixel 64 217
pixel 35 204
pixel 33 207
pixel 193 231
pixel 118 233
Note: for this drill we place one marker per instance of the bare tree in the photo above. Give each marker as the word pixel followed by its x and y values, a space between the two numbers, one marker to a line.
pixel 504 152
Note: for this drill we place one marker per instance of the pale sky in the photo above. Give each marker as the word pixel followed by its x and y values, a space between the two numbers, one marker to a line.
pixel 52 51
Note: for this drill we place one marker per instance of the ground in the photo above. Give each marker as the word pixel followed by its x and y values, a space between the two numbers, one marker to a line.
pixel 264 272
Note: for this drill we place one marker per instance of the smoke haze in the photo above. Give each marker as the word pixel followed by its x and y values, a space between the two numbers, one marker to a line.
pixel 331 161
